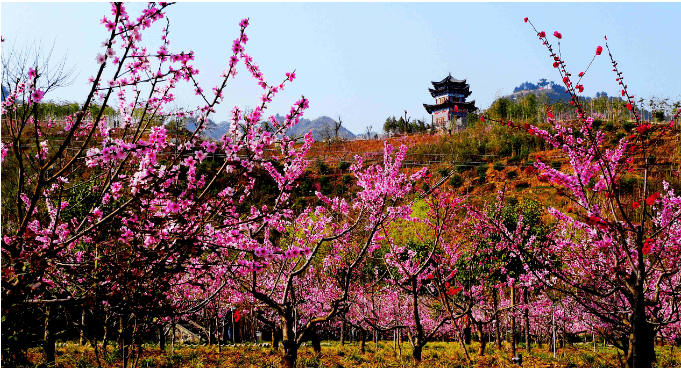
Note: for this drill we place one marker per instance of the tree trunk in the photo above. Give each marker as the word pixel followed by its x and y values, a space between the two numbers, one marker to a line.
pixel 172 337
pixel 497 333
pixel 290 353
pixel 513 337
pixel 210 327
pixel 276 337
pixel 122 343
pixel 362 337
pixel 342 333
pixel 105 338
pixel 641 352
pixel 161 338
pixel 527 320
pixel 481 337
pixel 289 342
pixel 315 340
pixel 416 353
pixel 48 343
pixel 81 341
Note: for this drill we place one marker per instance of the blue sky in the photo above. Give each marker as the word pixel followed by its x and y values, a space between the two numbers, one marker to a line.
pixel 367 61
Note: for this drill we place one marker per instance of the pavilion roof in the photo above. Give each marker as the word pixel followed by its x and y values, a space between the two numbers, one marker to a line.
pixel 468 106
pixel 448 80
pixel 464 90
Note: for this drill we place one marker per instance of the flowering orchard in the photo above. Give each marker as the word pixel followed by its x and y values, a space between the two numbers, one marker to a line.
pixel 118 227
pixel 617 261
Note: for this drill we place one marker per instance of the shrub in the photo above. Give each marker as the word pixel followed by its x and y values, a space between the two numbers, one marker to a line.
pixel 658 115
pixel 628 184
pixel 597 123
pixel 322 167
pixel 522 185
pixel 343 165
pixel 347 179
pixel 512 174
pixel 456 181
pixel 652 158
pixel 609 127
pixel 325 184
pixel 443 171
pixel 524 153
pixel 306 186
pixel 462 168
pixel 506 151
pixel 514 160
pixel 556 165
pixel 498 166
pixel 481 169
pixel 627 126
pixel 616 139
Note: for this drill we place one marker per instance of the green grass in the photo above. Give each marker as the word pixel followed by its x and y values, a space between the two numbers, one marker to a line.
pixel 333 355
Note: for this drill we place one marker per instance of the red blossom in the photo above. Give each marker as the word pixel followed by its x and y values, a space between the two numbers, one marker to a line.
pixel 526 19
pixel 557 35
pixel 647 246
pixel 653 198
pixel 599 50
pixel 629 107
pixel 636 205
pixel 453 291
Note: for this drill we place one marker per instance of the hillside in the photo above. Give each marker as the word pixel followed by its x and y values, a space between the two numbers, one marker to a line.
pixel 483 165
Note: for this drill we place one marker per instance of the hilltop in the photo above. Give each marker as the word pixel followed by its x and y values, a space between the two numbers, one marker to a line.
pixel 551 91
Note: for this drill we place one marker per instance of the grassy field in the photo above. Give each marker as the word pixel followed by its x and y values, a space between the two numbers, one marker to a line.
pixel 436 354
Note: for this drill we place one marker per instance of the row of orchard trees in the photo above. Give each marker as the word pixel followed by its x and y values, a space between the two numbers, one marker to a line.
pixel 127 229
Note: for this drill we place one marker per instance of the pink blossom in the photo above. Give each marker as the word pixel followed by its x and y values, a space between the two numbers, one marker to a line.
pixel 37 95
pixel 173 207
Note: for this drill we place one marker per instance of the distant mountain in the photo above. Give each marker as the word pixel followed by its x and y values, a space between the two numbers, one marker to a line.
pixel 322 128
pixel 213 130
pixel 5 93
